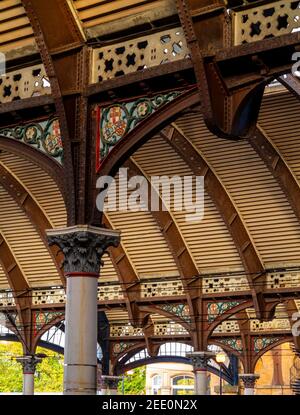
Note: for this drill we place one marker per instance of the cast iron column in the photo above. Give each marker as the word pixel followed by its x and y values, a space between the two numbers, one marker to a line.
pixel 29 365
pixel 109 385
pixel 83 247
pixel 249 380
pixel 199 361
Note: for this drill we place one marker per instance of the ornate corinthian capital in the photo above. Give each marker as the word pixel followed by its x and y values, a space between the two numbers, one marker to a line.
pixel 83 246
pixel 29 363
pixel 200 359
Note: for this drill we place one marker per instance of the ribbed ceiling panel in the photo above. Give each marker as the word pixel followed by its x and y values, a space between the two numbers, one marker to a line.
pixel 15 28
pixel 264 208
pixel 144 243
pixel 279 118
pixel 208 240
pixel 40 185
pixel 27 246
pixel 96 12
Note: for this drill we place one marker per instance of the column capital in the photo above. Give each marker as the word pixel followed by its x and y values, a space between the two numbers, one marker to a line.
pixel 83 247
pixel 249 379
pixel 29 363
pixel 110 382
pixel 200 359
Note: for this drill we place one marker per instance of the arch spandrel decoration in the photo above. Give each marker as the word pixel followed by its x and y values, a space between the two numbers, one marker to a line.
pixel 44 136
pixel 116 121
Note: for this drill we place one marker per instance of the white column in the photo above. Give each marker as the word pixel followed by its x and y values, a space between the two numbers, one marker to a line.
pixel 29 365
pixel 80 364
pixel 28 383
pixel 83 247
pixel 199 362
pixel 249 380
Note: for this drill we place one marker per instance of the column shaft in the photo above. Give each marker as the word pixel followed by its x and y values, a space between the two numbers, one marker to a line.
pixel 201 382
pixel 28 384
pixel 81 336
pixel 200 362
pixel 83 247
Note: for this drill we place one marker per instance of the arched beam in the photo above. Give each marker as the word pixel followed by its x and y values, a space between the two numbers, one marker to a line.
pixel 50 166
pixel 32 210
pixel 128 278
pixel 250 258
pixel 20 289
pixel 286 339
pixel 276 164
pixel 291 83
pixel 225 316
pixel 50 346
pixel 168 359
pixel 45 328
pixel 59 53
pixel 182 256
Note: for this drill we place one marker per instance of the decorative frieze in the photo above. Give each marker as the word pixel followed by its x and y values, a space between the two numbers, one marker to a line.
pixel 169 329
pixel 283 279
pixel 221 284
pixel 227 326
pixel 7 299
pixel 24 83
pixel 138 54
pixel 277 324
pixel 51 295
pixel 265 21
pixel 162 289
pixel 125 330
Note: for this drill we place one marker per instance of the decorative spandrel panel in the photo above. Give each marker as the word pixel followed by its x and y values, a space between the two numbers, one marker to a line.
pixel 24 83
pixel 260 343
pixel 234 342
pixel 215 309
pixel 265 21
pixel 117 120
pixel 180 310
pixel 138 54
pixel 44 318
pixel 44 136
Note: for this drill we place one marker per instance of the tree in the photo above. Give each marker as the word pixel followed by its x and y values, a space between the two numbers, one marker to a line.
pixel 48 376
pixel 135 383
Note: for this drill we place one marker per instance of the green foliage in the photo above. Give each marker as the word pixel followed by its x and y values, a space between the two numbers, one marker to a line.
pixel 135 383
pixel 48 376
